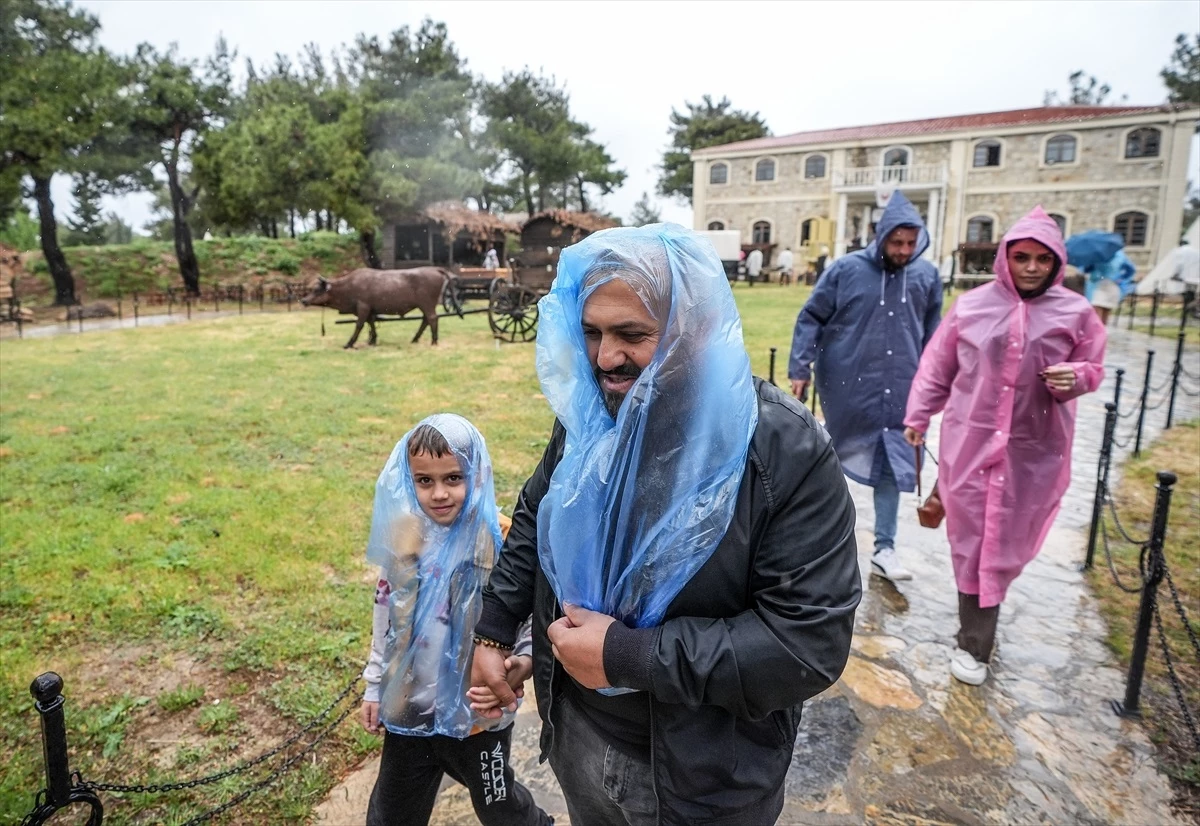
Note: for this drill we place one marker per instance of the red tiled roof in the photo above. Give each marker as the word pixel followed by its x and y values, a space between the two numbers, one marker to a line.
pixel 957 123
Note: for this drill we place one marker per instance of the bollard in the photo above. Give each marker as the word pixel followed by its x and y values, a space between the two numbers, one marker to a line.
pixel 60 793
pixel 135 309
pixel 1132 309
pixel 289 297
pixel 1117 388
pixel 1154 309
pixel 1137 446
pixel 1152 575
pixel 241 297
pixel 1175 368
pixel 1110 426
pixel 772 374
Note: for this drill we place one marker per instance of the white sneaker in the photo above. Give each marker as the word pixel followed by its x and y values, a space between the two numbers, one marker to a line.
pixel 886 563
pixel 967 669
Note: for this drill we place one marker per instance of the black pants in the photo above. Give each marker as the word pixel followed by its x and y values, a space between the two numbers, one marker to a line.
pixel 977 627
pixel 411 772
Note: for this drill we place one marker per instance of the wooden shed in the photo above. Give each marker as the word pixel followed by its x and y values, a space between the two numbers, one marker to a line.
pixel 545 234
pixel 446 234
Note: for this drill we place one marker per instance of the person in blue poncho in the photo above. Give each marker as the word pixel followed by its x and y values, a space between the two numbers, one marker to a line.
pixel 435 533
pixel 685 547
pixel 865 326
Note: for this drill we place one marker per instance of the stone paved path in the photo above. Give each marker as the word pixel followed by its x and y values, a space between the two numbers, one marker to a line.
pixel 898 741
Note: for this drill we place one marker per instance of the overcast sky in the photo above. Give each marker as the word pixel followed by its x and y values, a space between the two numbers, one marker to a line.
pixel 802 65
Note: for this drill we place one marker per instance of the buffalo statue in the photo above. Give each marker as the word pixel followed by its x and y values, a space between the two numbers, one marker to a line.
pixel 368 294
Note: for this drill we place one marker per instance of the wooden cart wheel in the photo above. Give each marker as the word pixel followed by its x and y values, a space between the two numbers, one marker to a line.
pixel 513 313
pixel 452 300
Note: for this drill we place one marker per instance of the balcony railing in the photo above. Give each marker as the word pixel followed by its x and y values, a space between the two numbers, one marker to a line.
pixel 868 177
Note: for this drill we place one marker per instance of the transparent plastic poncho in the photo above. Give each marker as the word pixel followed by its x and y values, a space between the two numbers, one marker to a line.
pixel 639 504
pixel 436 574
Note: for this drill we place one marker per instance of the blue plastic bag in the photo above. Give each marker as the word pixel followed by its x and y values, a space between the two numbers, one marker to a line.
pixel 639 504
pixel 436 574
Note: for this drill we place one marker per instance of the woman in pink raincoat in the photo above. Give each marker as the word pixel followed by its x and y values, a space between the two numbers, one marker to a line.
pixel 1006 365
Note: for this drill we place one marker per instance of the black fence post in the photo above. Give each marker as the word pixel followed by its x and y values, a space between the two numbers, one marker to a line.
pixel 1152 574
pixel 135 309
pixel 1154 309
pixel 120 314
pixel 188 301
pixel 772 376
pixel 1132 309
pixel 1102 468
pixel 1117 388
pixel 262 294
pixel 241 297
pixel 1175 368
pixel 217 298
pixel 60 793
pixel 1137 445
pixel 80 317
pixel 289 297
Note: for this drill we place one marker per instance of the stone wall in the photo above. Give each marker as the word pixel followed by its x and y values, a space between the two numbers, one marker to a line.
pixel 1091 209
pixel 785 218
pixel 1099 157
pixel 789 179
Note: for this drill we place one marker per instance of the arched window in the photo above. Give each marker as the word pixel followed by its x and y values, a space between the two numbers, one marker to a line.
pixel 807 230
pixel 718 173
pixel 764 170
pixel 761 233
pixel 814 167
pixel 1143 143
pixel 715 225
pixel 979 230
pixel 1061 220
pixel 987 153
pixel 1132 227
pixel 1060 149
pixel 896 156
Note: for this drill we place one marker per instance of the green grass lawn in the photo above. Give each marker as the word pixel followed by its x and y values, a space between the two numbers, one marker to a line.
pixel 183 515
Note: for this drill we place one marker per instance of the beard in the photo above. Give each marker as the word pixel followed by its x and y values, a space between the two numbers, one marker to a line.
pixel 891 264
pixel 613 401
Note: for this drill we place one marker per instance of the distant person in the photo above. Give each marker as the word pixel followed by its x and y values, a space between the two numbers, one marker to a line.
pixel 865 325
pixel 1006 366
pixel 435 534
pixel 786 263
pixel 491 261
pixel 1108 284
pixel 819 265
pixel 754 265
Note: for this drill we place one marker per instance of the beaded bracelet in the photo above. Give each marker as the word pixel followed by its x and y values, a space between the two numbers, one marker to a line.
pixel 490 643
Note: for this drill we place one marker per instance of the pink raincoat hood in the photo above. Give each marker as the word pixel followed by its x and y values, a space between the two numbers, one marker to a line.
pixel 1005 447
pixel 1036 226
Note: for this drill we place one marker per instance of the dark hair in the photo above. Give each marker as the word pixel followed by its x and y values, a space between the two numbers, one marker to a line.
pixel 427 439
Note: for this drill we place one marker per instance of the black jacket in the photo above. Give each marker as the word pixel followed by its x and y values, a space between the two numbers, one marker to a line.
pixel 762 626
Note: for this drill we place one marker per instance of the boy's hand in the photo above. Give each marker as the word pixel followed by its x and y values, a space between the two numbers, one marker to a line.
pixel 488 671
pixel 517 671
pixel 577 641
pixel 370 716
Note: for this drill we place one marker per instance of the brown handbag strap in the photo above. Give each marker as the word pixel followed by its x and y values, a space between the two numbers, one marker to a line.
pixel 920 455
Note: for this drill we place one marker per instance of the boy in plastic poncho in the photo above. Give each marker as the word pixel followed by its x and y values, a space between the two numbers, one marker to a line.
pixel 435 533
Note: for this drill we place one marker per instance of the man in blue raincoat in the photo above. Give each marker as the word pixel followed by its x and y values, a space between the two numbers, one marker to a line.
pixel 865 325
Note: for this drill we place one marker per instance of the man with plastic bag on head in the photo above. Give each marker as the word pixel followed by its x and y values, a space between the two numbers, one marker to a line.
pixel 1006 365
pixel 685 546
pixel 865 324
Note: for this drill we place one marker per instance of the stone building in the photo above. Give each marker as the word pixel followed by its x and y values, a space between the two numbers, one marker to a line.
pixel 1117 168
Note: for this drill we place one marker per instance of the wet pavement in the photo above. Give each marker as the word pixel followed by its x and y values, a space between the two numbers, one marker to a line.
pixel 897 740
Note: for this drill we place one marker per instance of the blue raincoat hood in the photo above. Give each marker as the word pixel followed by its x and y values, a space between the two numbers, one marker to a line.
pixel 638 504
pixel 899 212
